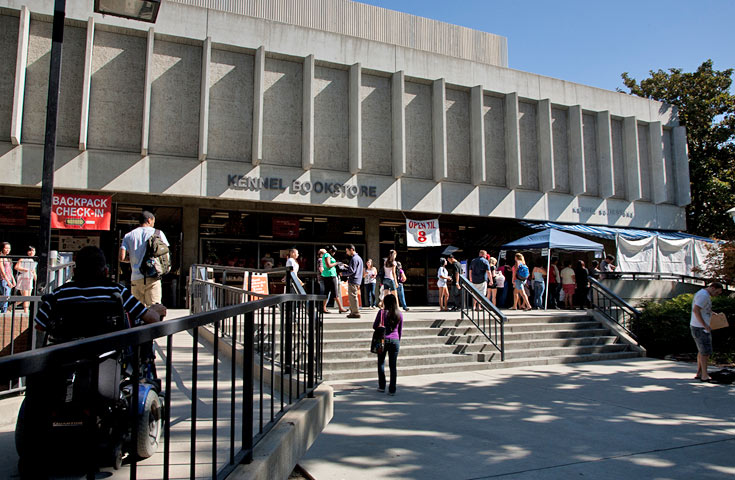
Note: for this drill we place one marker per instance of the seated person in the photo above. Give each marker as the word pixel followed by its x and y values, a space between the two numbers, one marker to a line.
pixel 90 282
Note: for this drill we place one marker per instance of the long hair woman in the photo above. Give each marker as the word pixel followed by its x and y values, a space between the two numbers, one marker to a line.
pixel 520 275
pixel 389 274
pixel 441 281
pixel 391 318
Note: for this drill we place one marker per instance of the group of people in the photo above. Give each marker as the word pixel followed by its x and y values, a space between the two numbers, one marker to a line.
pixel 19 276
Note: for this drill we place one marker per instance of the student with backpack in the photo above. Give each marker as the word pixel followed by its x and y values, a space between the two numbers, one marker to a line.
pixel 520 275
pixel 147 250
pixel 391 319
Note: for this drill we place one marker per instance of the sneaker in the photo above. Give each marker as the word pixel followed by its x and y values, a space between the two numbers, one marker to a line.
pixel 353 315
pixel 405 309
pixel 381 390
pixel 392 394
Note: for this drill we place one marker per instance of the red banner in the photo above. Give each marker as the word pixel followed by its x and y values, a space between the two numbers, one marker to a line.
pixel 14 213
pixel 286 227
pixel 81 212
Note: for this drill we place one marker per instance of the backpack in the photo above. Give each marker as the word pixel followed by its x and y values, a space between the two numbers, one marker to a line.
pixel 157 260
pixel 522 272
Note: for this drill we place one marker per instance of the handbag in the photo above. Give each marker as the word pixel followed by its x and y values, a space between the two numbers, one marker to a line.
pixel 377 344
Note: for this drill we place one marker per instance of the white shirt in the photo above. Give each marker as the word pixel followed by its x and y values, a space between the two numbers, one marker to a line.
pixel 135 244
pixel 291 262
pixel 703 300
pixel 567 275
pixel 442 272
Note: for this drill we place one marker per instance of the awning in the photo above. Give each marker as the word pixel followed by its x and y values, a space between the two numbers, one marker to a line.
pixel 555 239
pixel 609 233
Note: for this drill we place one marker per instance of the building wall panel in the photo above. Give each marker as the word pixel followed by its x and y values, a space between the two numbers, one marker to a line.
pixel 419 153
pixel 618 148
pixel 8 53
pixel 457 107
pixel 331 119
pixel 560 135
pixel 375 95
pixel 282 110
pixel 529 145
pixel 644 154
pixel 494 116
pixel 591 158
pixel 669 166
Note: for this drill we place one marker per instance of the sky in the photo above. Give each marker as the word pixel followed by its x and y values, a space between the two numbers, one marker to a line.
pixel 592 41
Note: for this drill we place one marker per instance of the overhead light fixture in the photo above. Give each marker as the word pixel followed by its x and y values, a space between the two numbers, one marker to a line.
pixel 143 10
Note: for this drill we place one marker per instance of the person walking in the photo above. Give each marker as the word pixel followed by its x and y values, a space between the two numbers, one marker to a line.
pixel 454 269
pixel 319 269
pixel 492 286
pixel 392 319
pixel 401 279
pixel 568 284
pixel 389 274
pixel 539 277
pixel 26 278
pixel 134 247
pixel 331 281
pixel 442 277
pixel 520 275
pixel 7 280
pixel 554 284
pixel 293 255
pixel 354 274
pixel 370 282
pixel 700 329
pixel 581 276
pixel 479 268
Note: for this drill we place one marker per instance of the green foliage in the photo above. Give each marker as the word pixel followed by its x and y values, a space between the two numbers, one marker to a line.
pixel 707 109
pixel 663 328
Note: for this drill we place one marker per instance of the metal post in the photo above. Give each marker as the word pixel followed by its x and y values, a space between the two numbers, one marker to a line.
pixel 311 306
pixel 247 387
pixel 49 148
pixel 548 277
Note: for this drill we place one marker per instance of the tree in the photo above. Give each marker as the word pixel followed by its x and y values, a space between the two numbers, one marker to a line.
pixel 707 109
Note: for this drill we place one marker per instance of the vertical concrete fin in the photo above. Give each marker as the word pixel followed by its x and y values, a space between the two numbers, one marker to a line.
pixel 681 166
pixel 633 187
pixel 307 149
pixel 21 61
pixel 204 106
pixel 146 130
pixel 355 108
pixel 439 129
pixel 86 83
pixel 477 137
pixel 577 176
pixel 512 142
pixel 659 175
pixel 547 181
pixel 258 95
pixel 606 168
pixel 398 115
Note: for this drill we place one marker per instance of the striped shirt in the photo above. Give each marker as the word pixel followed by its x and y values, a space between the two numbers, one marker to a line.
pixel 79 292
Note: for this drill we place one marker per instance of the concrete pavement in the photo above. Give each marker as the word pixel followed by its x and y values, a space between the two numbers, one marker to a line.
pixel 634 418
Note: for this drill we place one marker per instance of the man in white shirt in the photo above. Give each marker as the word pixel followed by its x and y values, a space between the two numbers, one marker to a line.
pixel 133 250
pixel 699 326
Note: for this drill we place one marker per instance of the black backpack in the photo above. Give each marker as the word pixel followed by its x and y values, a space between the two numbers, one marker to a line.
pixel 157 260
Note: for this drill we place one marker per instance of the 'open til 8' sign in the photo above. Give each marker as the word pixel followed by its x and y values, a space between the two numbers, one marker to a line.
pixel 422 233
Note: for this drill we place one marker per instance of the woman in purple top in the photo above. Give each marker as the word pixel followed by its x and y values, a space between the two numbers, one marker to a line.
pixel 389 317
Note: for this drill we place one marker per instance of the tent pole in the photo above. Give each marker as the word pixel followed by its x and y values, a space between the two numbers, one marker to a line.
pixel 548 275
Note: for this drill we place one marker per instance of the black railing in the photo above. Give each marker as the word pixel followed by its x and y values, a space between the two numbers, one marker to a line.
pixel 246 420
pixel 612 306
pixel 480 311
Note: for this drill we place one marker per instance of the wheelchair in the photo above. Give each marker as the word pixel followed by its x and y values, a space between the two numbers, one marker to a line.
pixel 83 413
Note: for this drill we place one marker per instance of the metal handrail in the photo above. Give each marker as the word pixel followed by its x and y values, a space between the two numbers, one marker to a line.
pixel 302 369
pixel 680 277
pixel 613 307
pixel 488 319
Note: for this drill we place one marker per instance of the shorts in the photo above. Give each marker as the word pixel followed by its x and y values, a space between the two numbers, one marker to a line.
pixel 481 287
pixel 569 289
pixel 389 284
pixel 703 339
pixel 519 284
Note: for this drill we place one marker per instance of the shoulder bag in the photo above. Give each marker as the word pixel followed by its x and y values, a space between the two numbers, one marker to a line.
pixel 377 344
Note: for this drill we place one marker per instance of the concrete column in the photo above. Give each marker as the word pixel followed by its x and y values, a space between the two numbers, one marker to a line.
pixel 577 170
pixel 605 169
pixel 21 62
pixel 514 176
pixel 439 129
pixel 398 114
pixel 547 182
pixel 477 136
pixel 355 119
pixel 659 175
pixel 147 93
pixel 307 149
pixel 204 105
pixel 258 95
pixel 633 187
pixel 190 230
pixel 86 83
pixel 372 239
pixel 681 166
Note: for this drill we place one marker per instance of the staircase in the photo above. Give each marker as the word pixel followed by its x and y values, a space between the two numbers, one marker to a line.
pixel 439 342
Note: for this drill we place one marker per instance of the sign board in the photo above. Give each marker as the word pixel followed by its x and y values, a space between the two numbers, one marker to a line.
pixel 344 293
pixel 259 283
pixel 68 243
pixel 81 212
pixel 501 256
pixel 285 227
pixel 544 252
pixel 423 233
pixel 13 213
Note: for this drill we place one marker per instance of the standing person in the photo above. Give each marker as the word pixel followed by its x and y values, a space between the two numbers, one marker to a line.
pixel 454 268
pixel 568 284
pixel 293 254
pixel 389 274
pixel 319 269
pixel 7 280
pixel 442 276
pixel 520 275
pixel 492 286
pixel 401 279
pixel 26 268
pixel 608 265
pixel 539 285
pixel 479 268
pixel 554 283
pixel 699 326
pixel 507 273
pixel 331 281
pixel 392 319
pixel 354 274
pixel 581 276
pixel 370 282
pixel 133 250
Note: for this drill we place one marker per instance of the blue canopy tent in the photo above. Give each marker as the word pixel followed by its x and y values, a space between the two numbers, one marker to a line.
pixel 553 239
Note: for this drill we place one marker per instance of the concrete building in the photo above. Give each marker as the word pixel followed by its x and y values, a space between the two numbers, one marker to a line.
pixel 250 126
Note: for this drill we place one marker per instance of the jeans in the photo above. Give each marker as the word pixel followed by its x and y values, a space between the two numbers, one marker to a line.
pixel 5 290
pixel 503 302
pixel 554 289
pixel 455 296
pixel 401 296
pixel 391 348
pixel 538 294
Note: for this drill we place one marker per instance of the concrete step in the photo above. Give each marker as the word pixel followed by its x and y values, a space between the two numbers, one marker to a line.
pixel 548 334
pixel 548 343
pixel 361 324
pixel 409 349
pixel 537 327
pixel 519 320
pixel 408 360
pixel 559 351
pixel 408 331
